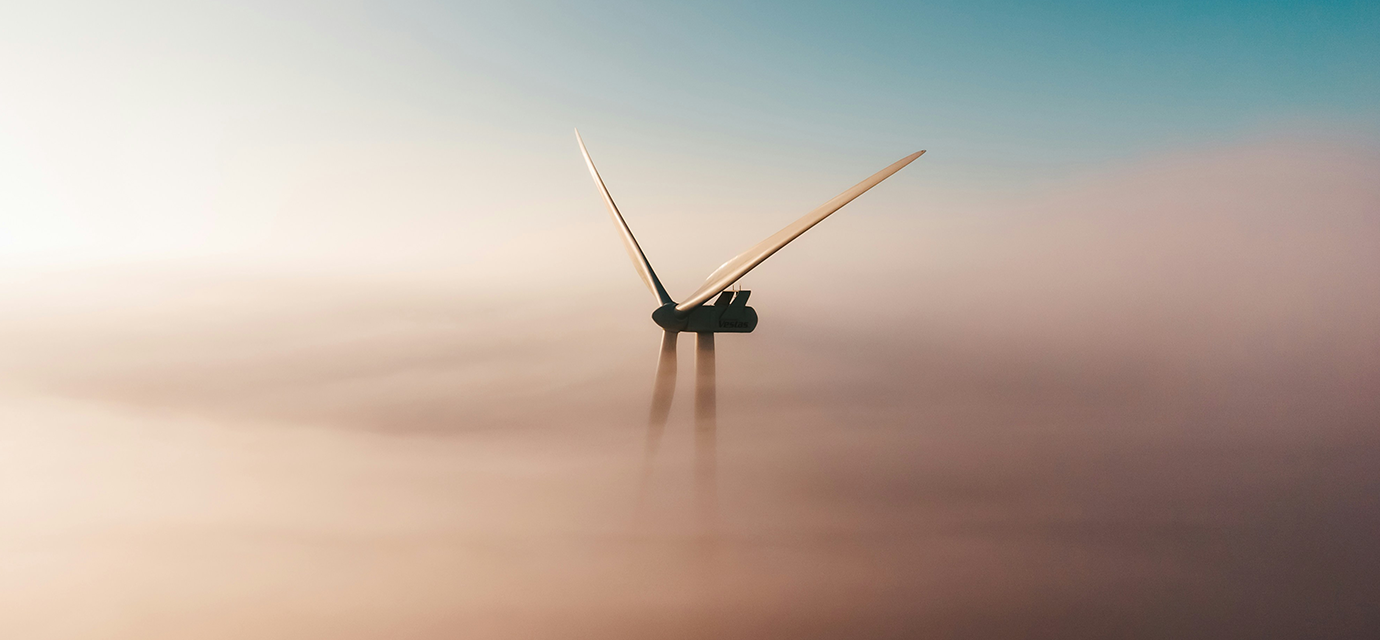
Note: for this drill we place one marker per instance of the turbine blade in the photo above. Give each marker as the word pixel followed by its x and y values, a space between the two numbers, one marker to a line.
pixel 662 391
pixel 644 267
pixel 731 271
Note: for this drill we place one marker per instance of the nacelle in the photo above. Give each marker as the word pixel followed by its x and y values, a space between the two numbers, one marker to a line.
pixel 715 319
pixel 728 314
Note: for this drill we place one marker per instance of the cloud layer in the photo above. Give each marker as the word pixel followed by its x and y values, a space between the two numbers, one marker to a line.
pixel 1141 405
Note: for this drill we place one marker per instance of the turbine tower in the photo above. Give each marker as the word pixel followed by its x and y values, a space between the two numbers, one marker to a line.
pixel 728 314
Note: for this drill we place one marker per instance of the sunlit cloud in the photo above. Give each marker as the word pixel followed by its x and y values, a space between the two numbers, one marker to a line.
pixel 1134 387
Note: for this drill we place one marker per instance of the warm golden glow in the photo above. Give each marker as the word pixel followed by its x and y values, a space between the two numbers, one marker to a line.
pixel 1126 389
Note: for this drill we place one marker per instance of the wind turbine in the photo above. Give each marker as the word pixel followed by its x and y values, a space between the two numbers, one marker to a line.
pixel 728 314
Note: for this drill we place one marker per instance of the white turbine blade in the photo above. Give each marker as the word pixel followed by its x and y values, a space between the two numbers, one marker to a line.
pixel 644 268
pixel 662 391
pixel 734 269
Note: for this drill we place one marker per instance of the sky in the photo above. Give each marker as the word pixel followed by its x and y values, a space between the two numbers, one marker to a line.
pixel 225 127
pixel 316 327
